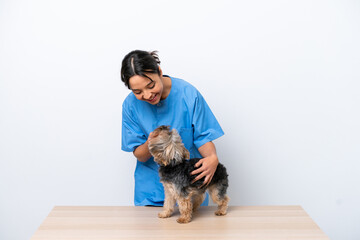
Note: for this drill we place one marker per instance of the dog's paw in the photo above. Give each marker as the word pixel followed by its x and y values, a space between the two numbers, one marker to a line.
pixel 164 214
pixel 220 213
pixel 183 220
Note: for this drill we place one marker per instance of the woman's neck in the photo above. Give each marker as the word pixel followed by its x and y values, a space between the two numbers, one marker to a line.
pixel 167 87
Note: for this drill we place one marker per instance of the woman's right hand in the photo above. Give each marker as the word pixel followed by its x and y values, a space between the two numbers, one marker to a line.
pixel 151 135
pixel 142 152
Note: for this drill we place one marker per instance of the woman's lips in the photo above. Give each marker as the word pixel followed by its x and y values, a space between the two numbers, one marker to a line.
pixel 154 98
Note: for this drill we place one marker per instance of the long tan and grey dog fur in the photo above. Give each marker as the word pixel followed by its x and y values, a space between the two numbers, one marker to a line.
pixel 169 152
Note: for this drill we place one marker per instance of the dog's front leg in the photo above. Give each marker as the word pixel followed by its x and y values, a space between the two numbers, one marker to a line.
pixel 169 204
pixel 169 201
pixel 185 207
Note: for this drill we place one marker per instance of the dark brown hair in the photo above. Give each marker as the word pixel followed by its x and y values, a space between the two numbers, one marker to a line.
pixel 139 62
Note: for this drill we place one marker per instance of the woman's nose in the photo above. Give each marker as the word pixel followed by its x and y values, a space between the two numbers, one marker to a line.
pixel 147 95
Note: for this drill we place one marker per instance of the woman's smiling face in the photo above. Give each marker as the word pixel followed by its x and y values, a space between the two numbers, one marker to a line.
pixel 149 89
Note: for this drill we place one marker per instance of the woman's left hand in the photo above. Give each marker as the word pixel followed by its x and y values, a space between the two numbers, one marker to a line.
pixel 206 167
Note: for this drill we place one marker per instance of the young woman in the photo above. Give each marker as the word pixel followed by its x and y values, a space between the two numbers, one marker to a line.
pixel 155 100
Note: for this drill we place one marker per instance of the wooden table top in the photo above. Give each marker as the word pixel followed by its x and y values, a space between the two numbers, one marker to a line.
pixel 105 223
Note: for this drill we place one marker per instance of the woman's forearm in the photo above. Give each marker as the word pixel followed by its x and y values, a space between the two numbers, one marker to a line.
pixel 208 150
pixel 142 152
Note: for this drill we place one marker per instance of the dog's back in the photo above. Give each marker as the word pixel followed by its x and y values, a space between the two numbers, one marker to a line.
pixel 180 175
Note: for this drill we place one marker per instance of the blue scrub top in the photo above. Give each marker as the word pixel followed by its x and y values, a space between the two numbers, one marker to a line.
pixel 185 110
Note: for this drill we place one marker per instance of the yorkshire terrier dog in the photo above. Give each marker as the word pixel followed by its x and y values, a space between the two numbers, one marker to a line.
pixel 166 147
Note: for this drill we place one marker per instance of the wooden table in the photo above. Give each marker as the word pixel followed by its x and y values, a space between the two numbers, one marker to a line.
pixel 105 223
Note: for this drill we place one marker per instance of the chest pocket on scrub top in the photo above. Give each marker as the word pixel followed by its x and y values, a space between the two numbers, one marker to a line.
pixel 187 136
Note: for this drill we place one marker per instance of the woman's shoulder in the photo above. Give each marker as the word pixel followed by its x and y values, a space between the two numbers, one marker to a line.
pixel 184 87
pixel 182 83
pixel 129 100
pixel 130 103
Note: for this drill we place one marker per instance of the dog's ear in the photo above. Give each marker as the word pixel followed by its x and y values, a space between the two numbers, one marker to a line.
pixel 181 152
pixel 174 132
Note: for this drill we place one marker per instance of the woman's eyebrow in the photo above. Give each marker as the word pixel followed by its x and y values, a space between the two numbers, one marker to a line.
pixel 150 83
pixel 145 86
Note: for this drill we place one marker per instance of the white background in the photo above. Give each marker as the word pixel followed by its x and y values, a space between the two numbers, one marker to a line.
pixel 282 78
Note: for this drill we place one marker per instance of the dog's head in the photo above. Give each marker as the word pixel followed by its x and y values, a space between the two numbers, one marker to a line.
pixel 166 147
